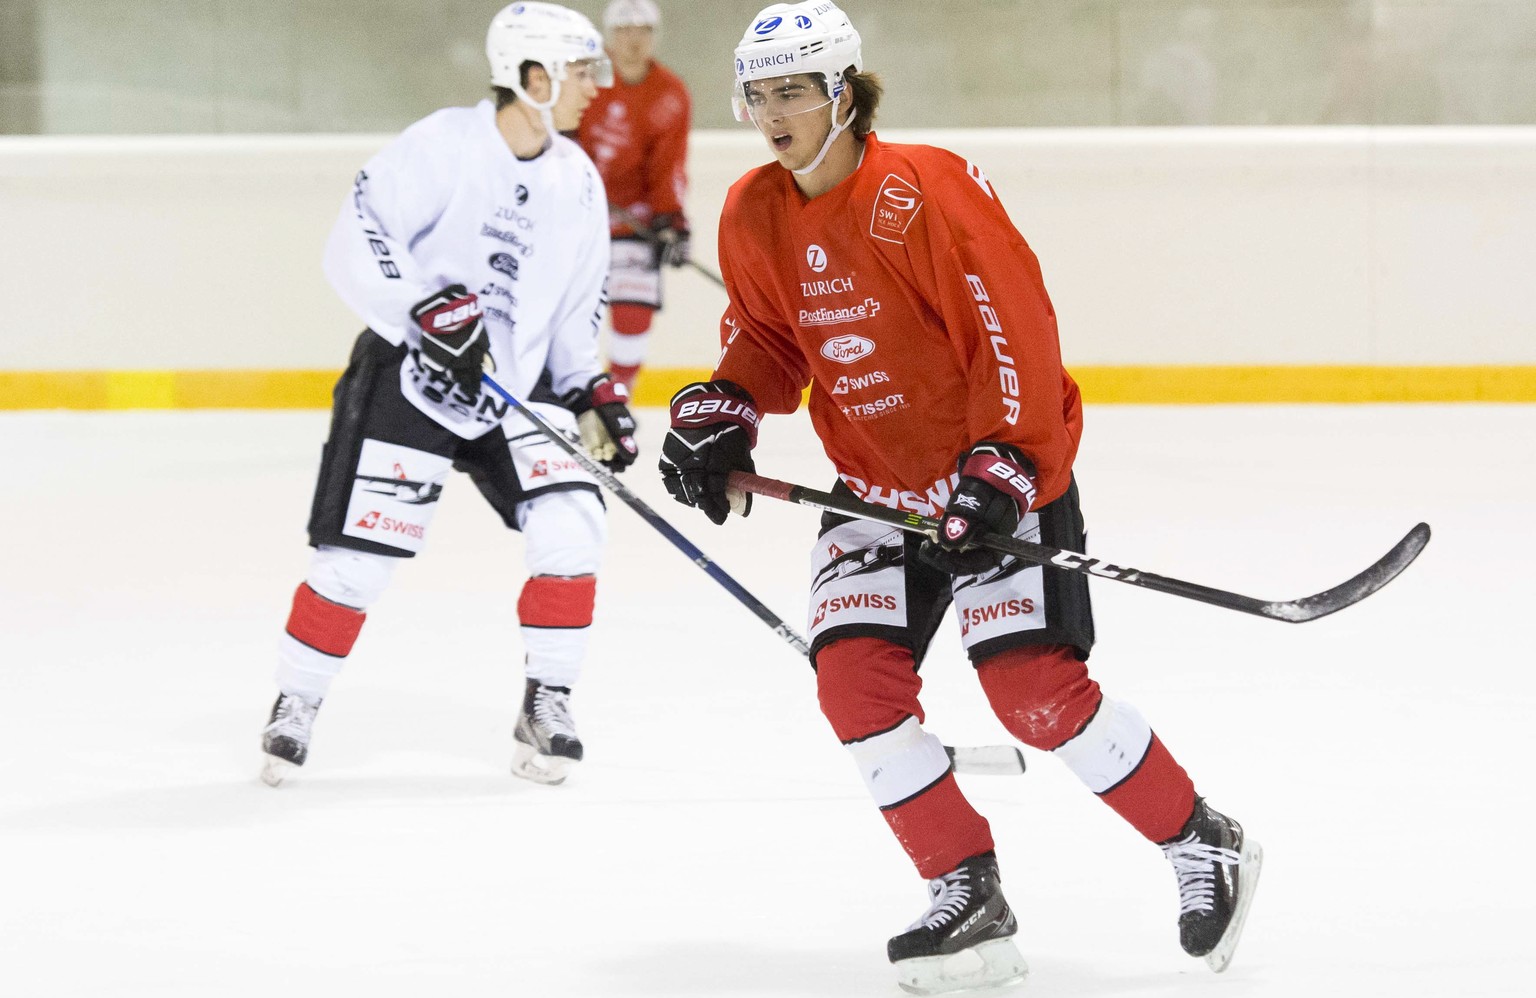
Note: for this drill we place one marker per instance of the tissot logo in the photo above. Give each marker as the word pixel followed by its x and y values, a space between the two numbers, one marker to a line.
pixel 816 258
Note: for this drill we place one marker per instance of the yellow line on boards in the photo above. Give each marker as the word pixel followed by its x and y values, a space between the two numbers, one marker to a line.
pixel 1145 385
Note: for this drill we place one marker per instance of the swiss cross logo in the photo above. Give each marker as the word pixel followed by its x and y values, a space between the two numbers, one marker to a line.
pixel 400 472
pixel 540 469
pixel 821 613
pixel 834 550
pixel 369 520
pixel 954 527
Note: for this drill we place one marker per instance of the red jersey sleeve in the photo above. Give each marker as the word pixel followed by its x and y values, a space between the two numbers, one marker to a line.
pixel 666 168
pixel 985 282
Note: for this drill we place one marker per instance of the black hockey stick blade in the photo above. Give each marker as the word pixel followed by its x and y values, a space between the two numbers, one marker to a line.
pixel 1296 611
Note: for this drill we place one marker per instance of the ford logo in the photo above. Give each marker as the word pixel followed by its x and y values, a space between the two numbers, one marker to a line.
pixel 847 349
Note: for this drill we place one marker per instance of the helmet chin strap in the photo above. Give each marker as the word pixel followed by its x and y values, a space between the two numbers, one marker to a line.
pixel 544 109
pixel 837 129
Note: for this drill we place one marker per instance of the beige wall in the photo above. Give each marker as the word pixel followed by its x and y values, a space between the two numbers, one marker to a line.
pixel 129 66
pixel 1159 246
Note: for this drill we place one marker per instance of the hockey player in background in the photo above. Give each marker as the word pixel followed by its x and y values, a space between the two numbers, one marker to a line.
pixel 889 280
pixel 637 133
pixel 470 223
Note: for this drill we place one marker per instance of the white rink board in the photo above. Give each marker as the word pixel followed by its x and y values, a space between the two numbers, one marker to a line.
pixel 1352 246
pixel 718 841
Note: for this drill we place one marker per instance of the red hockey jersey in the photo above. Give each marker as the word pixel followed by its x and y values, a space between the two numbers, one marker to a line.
pixel 915 311
pixel 638 137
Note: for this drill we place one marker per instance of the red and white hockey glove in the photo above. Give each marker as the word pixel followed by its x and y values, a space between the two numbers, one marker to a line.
pixel 997 487
pixel 606 424
pixel 714 428
pixel 453 337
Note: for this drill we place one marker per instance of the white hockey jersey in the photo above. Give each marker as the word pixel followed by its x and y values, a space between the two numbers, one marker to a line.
pixel 448 203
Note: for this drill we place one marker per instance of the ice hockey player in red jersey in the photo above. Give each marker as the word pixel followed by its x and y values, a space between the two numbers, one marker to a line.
pixel 473 223
pixel 637 133
pixel 889 281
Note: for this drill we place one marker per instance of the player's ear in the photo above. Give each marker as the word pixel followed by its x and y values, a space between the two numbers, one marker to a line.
pixel 538 83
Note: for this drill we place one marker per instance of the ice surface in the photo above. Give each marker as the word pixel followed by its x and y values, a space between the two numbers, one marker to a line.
pixel 717 841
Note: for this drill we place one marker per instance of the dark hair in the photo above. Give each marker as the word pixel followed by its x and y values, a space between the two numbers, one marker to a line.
pixel 867 91
pixel 506 95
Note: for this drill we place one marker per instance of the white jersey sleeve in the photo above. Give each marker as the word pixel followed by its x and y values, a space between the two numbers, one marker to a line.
pixel 573 358
pixel 398 195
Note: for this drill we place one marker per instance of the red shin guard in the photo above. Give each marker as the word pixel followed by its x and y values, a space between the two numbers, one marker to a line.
pixel 1157 798
pixel 557 601
pixel 329 628
pixel 938 828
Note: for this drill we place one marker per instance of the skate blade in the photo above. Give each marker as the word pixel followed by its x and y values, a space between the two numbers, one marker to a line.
pixel 1248 867
pixel 530 764
pixel 275 769
pixel 988 966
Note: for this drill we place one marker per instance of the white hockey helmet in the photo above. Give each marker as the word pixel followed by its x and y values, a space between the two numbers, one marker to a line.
pixel 631 14
pixel 786 39
pixel 547 34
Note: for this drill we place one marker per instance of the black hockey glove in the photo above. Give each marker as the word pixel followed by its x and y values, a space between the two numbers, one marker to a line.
pixel 714 428
pixel 606 424
pixel 453 337
pixel 671 236
pixel 997 487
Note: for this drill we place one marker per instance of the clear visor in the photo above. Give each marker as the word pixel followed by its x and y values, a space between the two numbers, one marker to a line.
pixel 599 70
pixel 768 99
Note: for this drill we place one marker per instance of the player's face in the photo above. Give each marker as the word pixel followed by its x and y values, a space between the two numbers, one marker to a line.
pixel 576 92
pixel 632 45
pixel 792 114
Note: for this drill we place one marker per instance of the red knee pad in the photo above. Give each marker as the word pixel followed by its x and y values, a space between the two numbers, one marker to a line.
pixel 557 601
pixel 629 319
pixel 866 685
pixel 327 627
pixel 1041 693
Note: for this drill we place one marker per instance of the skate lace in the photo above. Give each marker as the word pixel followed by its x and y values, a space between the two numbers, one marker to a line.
pixel 951 893
pixel 295 717
pixel 1194 863
pixel 552 711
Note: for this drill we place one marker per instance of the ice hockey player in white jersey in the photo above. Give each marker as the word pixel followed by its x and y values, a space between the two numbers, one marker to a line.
pixel 475 241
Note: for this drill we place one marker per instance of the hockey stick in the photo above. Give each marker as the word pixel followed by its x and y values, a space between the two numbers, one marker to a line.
pixel 991 760
pixel 641 230
pixel 1296 611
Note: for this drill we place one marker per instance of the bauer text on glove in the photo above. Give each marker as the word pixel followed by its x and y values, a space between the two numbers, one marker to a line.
pixel 996 488
pixel 453 337
pixel 714 428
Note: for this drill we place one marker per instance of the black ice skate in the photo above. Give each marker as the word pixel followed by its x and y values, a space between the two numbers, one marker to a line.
pixel 1218 870
pixel 285 739
pixel 547 745
pixel 964 941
